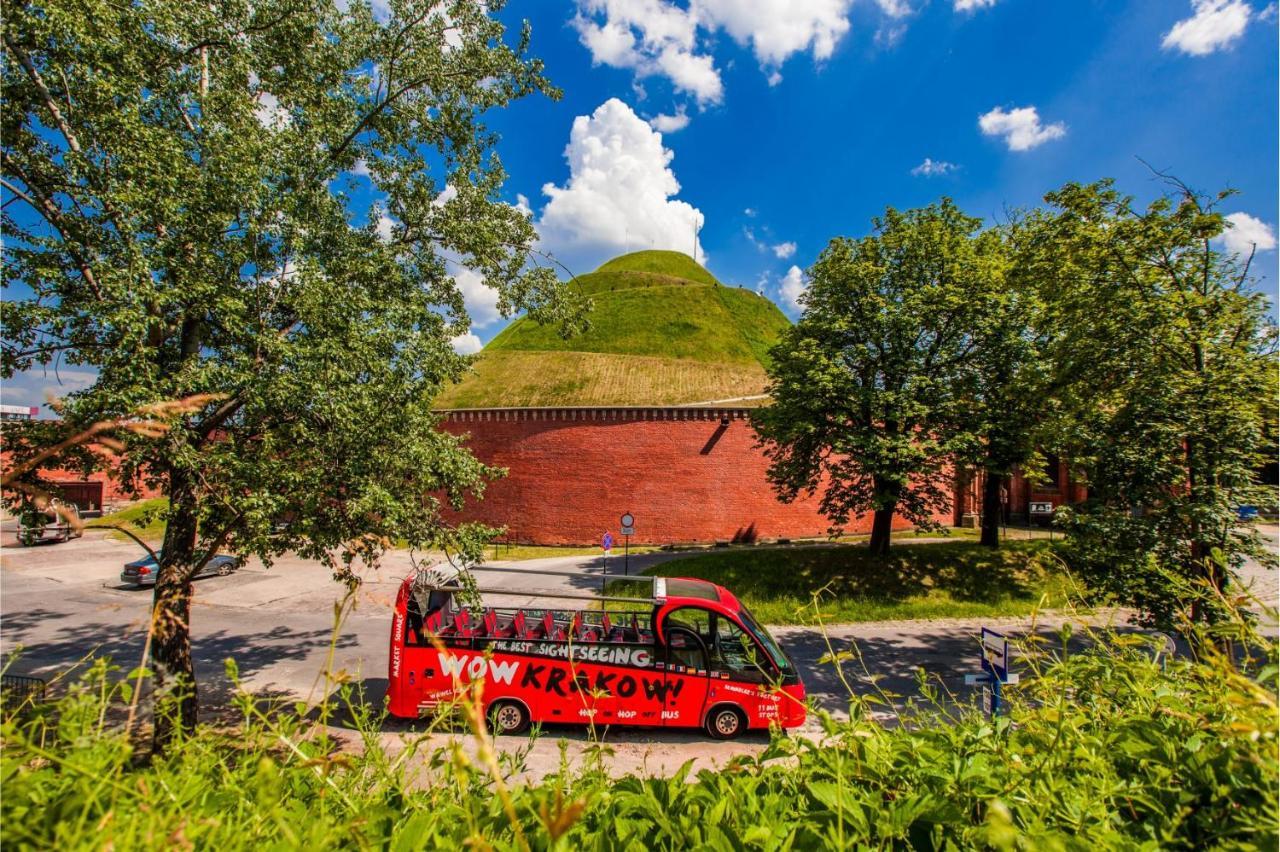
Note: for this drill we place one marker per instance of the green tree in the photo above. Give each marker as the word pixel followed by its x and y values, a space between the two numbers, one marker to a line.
pixel 1000 394
pixel 178 182
pixel 863 386
pixel 1163 353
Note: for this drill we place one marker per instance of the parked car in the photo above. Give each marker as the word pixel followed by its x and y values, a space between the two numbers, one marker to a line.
pixel 49 525
pixel 142 572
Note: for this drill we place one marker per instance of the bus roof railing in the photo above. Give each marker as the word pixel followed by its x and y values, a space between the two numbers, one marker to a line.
pixel 542 593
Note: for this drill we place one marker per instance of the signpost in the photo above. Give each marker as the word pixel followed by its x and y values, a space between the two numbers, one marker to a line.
pixel 606 544
pixel 628 529
pixel 995 670
pixel 1043 509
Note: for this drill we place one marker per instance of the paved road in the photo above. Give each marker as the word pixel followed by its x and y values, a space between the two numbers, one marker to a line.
pixel 63 602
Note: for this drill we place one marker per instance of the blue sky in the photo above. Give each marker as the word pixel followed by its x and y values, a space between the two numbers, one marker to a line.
pixel 879 88
pixel 779 124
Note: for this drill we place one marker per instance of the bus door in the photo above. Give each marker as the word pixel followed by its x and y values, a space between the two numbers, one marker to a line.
pixel 687 672
pixel 742 674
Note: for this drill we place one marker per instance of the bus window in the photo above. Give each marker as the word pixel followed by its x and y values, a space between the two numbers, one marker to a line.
pixel 737 654
pixel 685 650
pixel 694 619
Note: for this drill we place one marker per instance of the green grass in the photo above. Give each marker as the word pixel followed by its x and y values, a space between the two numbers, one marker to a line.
pixel 520 552
pixel 144 519
pixel 916 581
pixel 711 324
pixel 673 263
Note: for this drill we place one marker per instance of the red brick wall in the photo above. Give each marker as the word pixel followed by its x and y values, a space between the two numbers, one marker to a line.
pixel 572 472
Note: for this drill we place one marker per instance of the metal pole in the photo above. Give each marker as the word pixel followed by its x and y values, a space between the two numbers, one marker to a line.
pixel 626 556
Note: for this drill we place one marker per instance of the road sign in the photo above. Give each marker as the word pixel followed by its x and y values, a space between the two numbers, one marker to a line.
pixel 1042 508
pixel 628 530
pixel 995 654
pixel 606 543
pixel 628 520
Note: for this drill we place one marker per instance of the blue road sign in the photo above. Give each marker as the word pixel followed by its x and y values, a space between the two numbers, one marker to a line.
pixel 607 542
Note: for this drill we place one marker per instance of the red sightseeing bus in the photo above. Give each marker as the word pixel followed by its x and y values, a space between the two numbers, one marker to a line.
pixel 688 655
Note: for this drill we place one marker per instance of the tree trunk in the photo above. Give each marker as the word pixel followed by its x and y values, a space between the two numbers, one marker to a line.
pixel 176 702
pixel 991 509
pixel 881 529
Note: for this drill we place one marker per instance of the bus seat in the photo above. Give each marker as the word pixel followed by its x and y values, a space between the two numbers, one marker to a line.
pixel 462 624
pixel 433 623
pixel 519 629
pixel 641 635
pixel 490 622
pixel 609 633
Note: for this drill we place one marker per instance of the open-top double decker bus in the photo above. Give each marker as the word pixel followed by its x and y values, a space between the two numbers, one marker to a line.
pixel 687 654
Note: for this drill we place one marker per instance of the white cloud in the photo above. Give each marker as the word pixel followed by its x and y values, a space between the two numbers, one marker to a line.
pixel 385 226
pixel 778 28
pixel 661 38
pixel 361 168
pixel 650 37
pixel 269 112
pixel 749 212
pixel 670 123
pixel 446 195
pixel 1021 128
pixel 522 204
pixel 1245 232
pixel 619 195
pixel 973 5
pixel 784 250
pixel 894 8
pixel 793 287
pixel 930 168
pixel 1215 24
pixel 481 300
pixel 466 344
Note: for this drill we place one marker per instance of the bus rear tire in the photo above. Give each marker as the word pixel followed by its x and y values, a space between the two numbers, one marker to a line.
pixel 726 722
pixel 508 717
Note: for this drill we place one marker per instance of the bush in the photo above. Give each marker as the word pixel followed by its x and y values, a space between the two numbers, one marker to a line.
pixel 1114 747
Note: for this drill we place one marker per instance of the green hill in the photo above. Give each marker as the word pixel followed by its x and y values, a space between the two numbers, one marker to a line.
pixel 663 332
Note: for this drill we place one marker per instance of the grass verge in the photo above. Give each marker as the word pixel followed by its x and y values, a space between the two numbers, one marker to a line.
pixel 915 581
pixel 521 552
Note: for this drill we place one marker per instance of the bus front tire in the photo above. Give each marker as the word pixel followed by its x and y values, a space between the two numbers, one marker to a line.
pixel 508 717
pixel 726 722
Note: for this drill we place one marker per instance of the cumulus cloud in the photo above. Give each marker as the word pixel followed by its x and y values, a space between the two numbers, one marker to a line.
pixel 749 212
pixel 784 250
pixel 973 5
pixel 776 29
pixel 1244 233
pixel 1213 25
pixel 1021 128
pixel 522 204
pixel 619 195
pixel 930 168
pixel 670 123
pixel 793 287
pixel 660 38
pixel 481 301
pixel 466 344
pixel 650 37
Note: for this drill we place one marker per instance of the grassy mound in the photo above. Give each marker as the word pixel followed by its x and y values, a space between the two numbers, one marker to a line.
pixel 663 332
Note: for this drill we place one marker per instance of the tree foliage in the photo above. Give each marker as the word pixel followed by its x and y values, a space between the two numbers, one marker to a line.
pixel 1165 357
pixel 864 385
pixel 178 206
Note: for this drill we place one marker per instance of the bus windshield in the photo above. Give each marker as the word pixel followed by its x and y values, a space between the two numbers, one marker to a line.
pixel 763 637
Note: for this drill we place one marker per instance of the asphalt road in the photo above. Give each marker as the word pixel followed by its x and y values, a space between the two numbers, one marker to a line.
pixel 61 603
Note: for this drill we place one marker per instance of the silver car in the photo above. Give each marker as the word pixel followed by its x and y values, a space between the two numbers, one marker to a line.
pixel 142 572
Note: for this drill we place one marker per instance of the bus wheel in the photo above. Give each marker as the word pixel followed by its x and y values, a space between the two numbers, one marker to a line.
pixel 725 723
pixel 508 717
